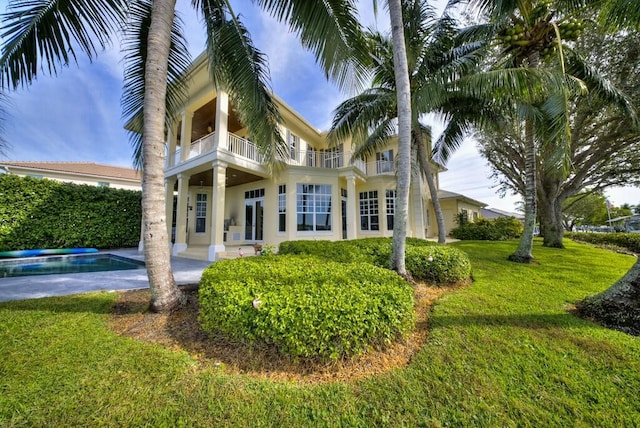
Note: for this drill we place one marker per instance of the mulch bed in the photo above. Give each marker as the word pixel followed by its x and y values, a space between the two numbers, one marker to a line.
pixel 181 331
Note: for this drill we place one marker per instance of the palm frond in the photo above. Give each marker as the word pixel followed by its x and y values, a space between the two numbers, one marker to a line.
pixel 134 46
pixel 330 29
pixel 240 69
pixel 355 117
pixel 44 35
pixel 620 14
pixel 377 139
pixel 600 86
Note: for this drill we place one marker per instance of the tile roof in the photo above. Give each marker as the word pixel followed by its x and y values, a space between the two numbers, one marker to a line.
pixel 81 168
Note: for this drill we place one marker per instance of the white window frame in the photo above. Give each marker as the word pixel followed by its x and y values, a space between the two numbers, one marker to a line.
pixel 315 202
pixel 201 212
pixel 369 211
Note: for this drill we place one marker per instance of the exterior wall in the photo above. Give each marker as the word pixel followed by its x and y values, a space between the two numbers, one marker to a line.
pixel 451 207
pixel 77 179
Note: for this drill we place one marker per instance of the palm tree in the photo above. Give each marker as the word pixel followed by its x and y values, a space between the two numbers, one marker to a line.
pixel 533 35
pixel 434 62
pixel 51 32
pixel 403 173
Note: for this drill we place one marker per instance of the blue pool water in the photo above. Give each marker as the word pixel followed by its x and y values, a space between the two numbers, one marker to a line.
pixel 66 264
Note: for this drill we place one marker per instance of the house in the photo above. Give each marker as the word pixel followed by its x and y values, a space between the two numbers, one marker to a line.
pixel 220 194
pixel 452 204
pixel 93 174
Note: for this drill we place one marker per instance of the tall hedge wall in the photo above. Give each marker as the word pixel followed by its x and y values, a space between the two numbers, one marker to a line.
pixel 40 213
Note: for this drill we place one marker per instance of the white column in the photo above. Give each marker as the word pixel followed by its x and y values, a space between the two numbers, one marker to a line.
pixel 222 118
pixel 352 209
pixel 172 142
pixel 181 215
pixel 169 184
pixel 185 134
pixel 217 209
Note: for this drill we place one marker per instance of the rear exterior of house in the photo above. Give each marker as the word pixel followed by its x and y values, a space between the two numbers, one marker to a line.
pixel 220 194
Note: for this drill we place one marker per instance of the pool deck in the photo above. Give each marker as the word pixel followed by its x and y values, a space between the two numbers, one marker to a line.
pixel 185 271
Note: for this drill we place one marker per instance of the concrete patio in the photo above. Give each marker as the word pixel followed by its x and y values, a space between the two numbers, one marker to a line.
pixel 185 271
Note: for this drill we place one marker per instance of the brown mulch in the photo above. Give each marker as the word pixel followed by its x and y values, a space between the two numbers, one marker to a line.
pixel 180 330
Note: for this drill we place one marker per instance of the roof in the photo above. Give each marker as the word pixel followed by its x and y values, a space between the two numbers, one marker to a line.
pixel 501 213
pixel 80 168
pixel 445 194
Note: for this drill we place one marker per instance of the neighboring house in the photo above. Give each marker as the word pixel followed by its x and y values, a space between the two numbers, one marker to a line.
pixel 220 194
pixel 90 173
pixel 491 213
pixel 453 204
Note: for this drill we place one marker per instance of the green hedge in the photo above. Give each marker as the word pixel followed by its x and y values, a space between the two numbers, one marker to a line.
pixel 425 260
pixel 499 229
pixel 40 213
pixel 630 241
pixel 306 306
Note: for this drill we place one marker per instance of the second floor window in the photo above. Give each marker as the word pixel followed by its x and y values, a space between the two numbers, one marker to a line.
pixel 384 162
pixel 201 212
pixel 294 144
pixel 369 219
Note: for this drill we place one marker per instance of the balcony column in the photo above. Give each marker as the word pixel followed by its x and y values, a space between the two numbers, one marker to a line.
pixel 185 134
pixel 217 209
pixel 352 210
pixel 172 142
pixel 222 120
pixel 169 184
pixel 181 215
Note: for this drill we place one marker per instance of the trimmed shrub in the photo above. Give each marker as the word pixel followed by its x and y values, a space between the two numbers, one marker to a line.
pixel 630 241
pixel 449 264
pixel 499 229
pixel 40 213
pixel 437 264
pixel 306 306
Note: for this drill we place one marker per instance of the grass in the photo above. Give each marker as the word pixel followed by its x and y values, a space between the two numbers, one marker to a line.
pixel 503 351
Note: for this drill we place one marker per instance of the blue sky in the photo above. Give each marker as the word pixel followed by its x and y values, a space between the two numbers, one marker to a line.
pixel 76 116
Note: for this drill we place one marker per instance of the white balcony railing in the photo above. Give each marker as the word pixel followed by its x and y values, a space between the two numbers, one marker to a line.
pixel 381 168
pixel 243 147
pixel 201 146
pixel 326 159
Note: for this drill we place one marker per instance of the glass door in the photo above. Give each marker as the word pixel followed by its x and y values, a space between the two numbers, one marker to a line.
pixel 254 219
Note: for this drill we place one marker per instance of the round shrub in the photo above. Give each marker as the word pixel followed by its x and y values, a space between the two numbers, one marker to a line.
pixel 437 264
pixel 306 306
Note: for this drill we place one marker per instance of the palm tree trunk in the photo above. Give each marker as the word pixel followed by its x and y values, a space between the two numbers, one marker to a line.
pixel 165 295
pixel 433 190
pixel 524 252
pixel 403 173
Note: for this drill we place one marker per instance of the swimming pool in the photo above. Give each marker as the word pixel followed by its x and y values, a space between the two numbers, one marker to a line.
pixel 66 264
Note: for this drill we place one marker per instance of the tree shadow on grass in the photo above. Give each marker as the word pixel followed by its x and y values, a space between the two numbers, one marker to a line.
pixel 527 321
pixel 95 302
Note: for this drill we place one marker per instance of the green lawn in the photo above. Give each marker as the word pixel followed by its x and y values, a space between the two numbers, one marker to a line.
pixel 503 351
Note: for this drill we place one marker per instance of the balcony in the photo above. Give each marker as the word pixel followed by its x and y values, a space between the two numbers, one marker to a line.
pixel 325 159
